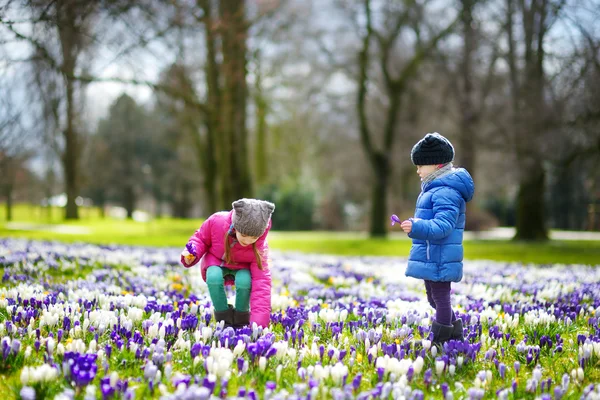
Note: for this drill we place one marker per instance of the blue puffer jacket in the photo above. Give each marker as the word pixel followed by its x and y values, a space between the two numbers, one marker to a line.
pixel 437 230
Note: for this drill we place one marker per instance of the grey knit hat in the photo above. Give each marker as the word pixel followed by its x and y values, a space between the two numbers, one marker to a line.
pixel 251 216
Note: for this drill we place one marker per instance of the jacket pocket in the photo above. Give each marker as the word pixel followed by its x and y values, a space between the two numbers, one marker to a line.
pixel 428 255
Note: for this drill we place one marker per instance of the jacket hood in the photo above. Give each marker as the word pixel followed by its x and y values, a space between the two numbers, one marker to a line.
pixel 459 179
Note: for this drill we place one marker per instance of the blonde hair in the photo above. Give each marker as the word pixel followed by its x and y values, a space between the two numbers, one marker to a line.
pixel 229 260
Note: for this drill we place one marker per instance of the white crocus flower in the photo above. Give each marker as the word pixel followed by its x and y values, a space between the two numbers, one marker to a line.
pixel 418 365
pixel 439 367
pixel 262 364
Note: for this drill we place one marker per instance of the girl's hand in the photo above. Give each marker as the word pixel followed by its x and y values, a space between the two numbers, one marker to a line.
pixel 406 226
pixel 189 258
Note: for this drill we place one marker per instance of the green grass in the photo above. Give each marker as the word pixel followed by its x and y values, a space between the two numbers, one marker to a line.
pixel 175 232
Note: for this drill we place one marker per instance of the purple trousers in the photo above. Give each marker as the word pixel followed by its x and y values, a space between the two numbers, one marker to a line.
pixel 438 295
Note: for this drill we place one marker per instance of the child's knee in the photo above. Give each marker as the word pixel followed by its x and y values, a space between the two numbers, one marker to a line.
pixel 214 276
pixel 243 280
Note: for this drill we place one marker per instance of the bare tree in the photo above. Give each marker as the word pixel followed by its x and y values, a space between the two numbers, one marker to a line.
pixel 60 34
pixel 395 90
pixel 531 116
pixel 13 149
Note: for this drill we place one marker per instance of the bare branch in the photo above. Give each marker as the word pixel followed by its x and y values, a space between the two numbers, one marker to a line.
pixel 420 55
pixel 38 46
pixel 190 100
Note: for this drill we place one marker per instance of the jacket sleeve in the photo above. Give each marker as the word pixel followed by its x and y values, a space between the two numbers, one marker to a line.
pixel 260 295
pixel 446 208
pixel 201 239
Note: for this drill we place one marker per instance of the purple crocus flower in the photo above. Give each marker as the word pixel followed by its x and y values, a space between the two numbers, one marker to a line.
pixel 342 354
pixel 475 394
pixel 191 248
pixel 502 370
pixel 418 395
pixel 444 389
pixel 27 393
pixel 427 377
pixel 394 218
pixel 558 393
pixel 517 367
pixel 107 390
pixel 15 346
pixel 83 367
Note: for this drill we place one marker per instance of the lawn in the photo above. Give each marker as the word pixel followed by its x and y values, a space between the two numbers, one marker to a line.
pixel 39 224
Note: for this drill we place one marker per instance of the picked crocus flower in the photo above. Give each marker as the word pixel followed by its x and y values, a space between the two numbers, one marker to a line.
pixel 394 218
pixel 191 249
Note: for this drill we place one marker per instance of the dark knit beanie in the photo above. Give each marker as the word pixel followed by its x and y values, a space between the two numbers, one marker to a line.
pixel 251 216
pixel 433 149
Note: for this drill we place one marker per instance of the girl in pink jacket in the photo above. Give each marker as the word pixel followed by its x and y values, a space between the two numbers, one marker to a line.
pixel 234 251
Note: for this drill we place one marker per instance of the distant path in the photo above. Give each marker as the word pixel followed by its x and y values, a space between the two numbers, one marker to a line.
pixel 58 228
pixel 508 233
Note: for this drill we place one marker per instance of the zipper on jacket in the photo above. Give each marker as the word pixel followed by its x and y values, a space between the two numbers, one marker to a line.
pixel 428 257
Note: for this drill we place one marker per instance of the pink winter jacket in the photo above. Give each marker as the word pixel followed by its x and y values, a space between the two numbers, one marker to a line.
pixel 209 242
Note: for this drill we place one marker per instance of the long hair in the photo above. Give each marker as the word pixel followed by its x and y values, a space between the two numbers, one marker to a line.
pixel 229 260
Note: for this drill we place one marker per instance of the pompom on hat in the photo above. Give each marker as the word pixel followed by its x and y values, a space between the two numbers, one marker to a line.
pixel 251 216
pixel 433 149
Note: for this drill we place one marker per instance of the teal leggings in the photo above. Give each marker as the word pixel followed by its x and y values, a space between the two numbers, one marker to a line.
pixel 215 280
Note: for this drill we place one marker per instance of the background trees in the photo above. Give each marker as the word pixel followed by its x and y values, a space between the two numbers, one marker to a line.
pixel 312 104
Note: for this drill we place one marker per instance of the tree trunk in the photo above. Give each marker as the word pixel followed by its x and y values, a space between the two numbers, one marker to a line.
pixel 260 145
pixel 469 117
pixel 186 200
pixel 217 165
pixel 70 158
pixel 9 201
pixel 379 201
pixel 531 216
pixel 129 200
pixel 529 107
pixel 210 177
pixel 234 36
pixel 68 40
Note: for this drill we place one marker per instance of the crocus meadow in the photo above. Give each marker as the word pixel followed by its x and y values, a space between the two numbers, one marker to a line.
pixel 81 321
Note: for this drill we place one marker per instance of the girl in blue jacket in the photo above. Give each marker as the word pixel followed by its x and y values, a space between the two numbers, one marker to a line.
pixel 437 229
